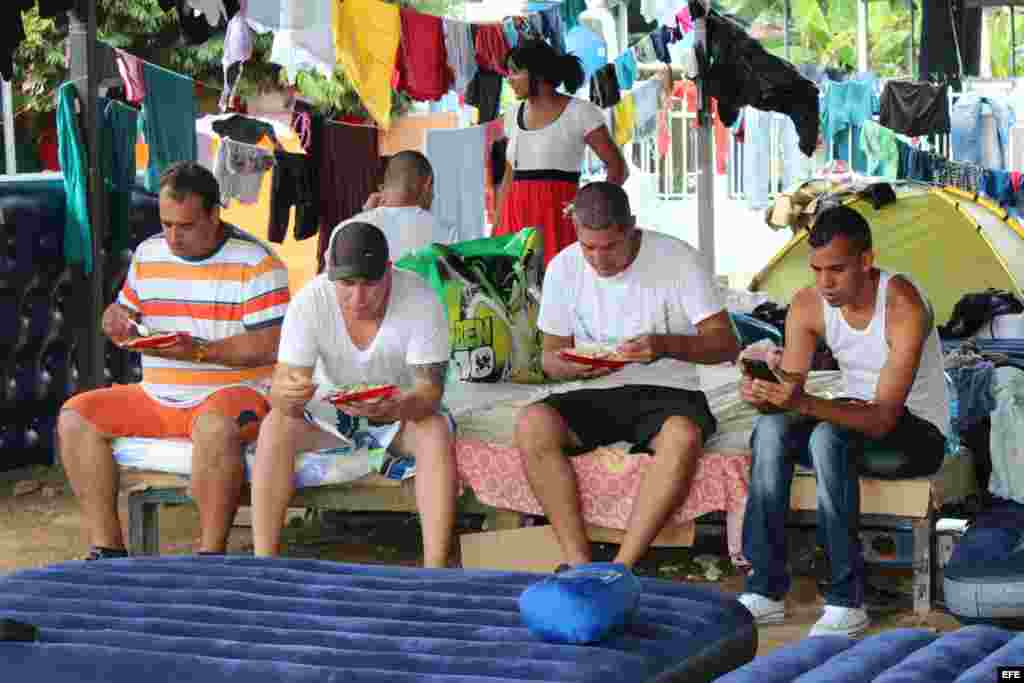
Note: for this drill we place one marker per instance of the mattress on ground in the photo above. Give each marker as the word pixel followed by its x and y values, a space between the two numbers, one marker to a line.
pixel 968 655
pixel 252 620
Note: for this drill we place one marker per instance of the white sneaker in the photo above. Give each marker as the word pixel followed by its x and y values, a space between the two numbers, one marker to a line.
pixel 764 609
pixel 841 621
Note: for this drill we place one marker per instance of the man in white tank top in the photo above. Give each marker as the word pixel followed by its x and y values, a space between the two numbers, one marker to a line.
pixel 881 331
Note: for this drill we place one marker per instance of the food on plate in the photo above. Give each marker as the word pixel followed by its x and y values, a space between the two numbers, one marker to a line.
pixel 368 393
pixel 155 340
pixel 598 356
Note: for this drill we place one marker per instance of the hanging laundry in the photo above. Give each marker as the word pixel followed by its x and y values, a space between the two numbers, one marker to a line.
pixel 458 42
pixel 493 132
pixel 305 39
pixel 967 177
pixel 245 129
pixel 967 128
pixel 554 32
pixel 484 93
pixel 947 25
pixel 660 39
pixel 350 170
pixel 921 165
pixel 683 19
pixel 310 127
pixel 534 28
pixel 117 137
pixel 625 70
pixel 1015 178
pixel 687 90
pixel 130 68
pixel 846 107
pixel 880 150
pixel 421 68
pixel 293 183
pixel 589 47
pixel 194 28
pixel 915 108
pixel 491 48
pixel 998 186
pixel 169 120
pixel 570 11
pixel 238 46
pixel 625 119
pixel 457 157
pixel 646 97
pixel 757 158
pixel 604 87
pixel 239 168
pixel 645 51
pixel 366 37
pixel 77 228
pixel 743 73
pixel 212 10
pixel 508 24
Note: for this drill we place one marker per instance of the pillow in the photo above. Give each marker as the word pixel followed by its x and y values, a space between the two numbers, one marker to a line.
pixel 582 605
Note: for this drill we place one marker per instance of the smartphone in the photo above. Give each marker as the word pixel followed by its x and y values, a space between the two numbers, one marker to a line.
pixel 758 369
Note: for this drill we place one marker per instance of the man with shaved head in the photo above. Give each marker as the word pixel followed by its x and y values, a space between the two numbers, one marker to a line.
pixel 647 297
pixel 401 209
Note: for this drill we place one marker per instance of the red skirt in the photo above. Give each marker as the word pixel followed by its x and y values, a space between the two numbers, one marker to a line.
pixel 540 204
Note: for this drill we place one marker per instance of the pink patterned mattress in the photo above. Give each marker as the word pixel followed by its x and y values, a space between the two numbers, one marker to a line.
pixel 608 479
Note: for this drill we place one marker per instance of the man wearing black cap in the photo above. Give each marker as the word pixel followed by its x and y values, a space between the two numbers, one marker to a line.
pixel 646 297
pixel 360 322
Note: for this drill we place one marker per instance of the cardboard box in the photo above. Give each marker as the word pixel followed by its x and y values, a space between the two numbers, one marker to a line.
pixel 902 497
pixel 535 549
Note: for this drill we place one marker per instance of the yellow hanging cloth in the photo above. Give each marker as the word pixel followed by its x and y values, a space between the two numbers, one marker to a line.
pixel 366 35
pixel 624 115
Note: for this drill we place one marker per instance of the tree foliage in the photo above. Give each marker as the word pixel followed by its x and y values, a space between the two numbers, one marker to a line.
pixel 142 28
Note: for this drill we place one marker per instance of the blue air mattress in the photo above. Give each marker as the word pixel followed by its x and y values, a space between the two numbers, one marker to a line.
pixel 174 619
pixel 970 655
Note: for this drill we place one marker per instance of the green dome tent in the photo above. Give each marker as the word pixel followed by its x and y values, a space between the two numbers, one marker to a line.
pixel 949 242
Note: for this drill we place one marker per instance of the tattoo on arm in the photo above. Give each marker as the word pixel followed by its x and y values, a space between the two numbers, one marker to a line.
pixel 435 373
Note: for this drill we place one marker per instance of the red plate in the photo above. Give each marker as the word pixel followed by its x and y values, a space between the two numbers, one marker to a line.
pixel 161 340
pixel 569 354
pixel 386 391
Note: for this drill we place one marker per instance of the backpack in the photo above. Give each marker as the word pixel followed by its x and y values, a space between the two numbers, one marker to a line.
pixel 977 308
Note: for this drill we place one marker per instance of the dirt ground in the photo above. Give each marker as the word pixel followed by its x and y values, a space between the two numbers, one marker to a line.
pixel 42 526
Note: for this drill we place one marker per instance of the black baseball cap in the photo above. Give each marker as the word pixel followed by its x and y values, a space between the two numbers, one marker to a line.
pixel 359 250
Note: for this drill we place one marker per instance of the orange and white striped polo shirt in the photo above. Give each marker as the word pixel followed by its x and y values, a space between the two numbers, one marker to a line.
pixel 241 287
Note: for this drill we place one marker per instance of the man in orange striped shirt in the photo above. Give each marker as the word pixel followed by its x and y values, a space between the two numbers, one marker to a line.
pixel 227 292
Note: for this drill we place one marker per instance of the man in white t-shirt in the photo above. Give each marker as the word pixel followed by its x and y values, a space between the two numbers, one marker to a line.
pixel 360 322
pixel 647 295
pixel 402 207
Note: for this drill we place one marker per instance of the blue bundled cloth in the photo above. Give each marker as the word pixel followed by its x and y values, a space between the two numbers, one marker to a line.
pixel 582 605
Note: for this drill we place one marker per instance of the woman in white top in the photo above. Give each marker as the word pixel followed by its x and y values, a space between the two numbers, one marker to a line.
pixel 547 143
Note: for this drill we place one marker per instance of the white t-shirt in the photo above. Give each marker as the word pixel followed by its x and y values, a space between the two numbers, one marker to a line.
pixel 414 332
pixel 407 228
pixel 558 146
pixel 666 290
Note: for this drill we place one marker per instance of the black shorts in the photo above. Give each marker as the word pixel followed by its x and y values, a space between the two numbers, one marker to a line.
pixel 633 413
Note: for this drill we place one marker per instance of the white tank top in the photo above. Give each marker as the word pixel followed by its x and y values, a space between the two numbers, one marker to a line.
pixel 861 354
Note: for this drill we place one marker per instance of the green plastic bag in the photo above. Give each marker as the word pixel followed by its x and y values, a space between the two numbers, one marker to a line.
pixel 490 289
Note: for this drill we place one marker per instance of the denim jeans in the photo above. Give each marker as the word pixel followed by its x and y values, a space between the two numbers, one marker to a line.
pixel 779 442
pixel 965 130
pixel 757 151
pixel 995 535
pixel 782 440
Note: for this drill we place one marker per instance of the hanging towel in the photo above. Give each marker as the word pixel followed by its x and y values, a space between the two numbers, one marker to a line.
pixel 645 98
pixel 131 73
pixel 508 24
pixel 604 87
pixel 239 169
pixel 118 135
pixel 625 119
pixel 880 148
pixel 484 93
pixel 625 70
pixel 77 229
pixel 421 70
pixel 914 108
pixel 589 47
pixel 366 37
pixel 169 113
pixel 457 156
pixel 458 42
pixel 350 170
pixel 491 48
pixel 294 184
